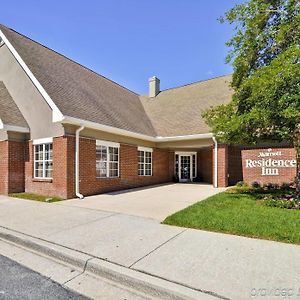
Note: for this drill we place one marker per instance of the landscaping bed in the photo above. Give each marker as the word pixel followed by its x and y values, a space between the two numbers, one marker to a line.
pixel 41 198
pixel 268 212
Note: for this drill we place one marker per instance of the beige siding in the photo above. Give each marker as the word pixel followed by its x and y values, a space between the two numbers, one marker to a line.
pixel 32 105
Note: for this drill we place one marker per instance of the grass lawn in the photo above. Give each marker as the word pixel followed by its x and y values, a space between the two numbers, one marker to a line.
pixel 240 214
pixel 35 197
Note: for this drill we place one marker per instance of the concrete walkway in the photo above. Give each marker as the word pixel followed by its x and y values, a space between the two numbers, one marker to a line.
pixel 225 266
pixel 155 202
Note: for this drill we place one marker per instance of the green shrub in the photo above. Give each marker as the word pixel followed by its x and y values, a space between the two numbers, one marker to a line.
pixel 256 185
pixel 288 204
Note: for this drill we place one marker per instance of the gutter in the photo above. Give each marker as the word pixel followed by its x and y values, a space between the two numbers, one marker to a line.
pixel 215 162
pixel 80 196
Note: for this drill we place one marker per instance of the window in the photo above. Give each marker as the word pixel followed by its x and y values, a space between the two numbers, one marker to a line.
pixel 43 161
pixel 145 161
pixel 107 159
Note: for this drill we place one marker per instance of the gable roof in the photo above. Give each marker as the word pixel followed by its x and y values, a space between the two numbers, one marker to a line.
pixel 79 92
pixel 177 111
pixel 9 112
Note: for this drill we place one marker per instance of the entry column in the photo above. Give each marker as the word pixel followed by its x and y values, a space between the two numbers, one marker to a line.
pixel 221 157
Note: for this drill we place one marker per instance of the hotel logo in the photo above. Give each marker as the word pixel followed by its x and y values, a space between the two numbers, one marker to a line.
pixel 270 162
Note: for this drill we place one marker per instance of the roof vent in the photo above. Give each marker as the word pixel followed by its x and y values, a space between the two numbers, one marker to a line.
pixel 154 86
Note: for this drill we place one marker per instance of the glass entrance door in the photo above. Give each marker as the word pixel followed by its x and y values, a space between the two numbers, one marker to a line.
pixel 185 168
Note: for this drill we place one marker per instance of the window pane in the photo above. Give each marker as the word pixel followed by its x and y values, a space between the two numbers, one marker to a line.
pixel 43 164
pixel 113 173
pixel 141 156
pixel 101 161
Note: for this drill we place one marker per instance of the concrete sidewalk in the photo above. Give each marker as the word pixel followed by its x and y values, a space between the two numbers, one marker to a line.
pixel 225 266
pixel 156 202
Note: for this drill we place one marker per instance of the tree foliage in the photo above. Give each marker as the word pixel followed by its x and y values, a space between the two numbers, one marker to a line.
pixel 266 106
pixel 265 55
pixel 263 29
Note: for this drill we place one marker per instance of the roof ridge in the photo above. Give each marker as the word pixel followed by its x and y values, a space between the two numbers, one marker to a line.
pixel 70 59
pixel 195 82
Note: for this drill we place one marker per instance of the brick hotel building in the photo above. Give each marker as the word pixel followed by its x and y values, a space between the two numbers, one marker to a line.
pixel 68 131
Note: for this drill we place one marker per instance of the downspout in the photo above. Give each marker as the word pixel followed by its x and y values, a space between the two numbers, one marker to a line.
pixel 80 196
pixel 215 162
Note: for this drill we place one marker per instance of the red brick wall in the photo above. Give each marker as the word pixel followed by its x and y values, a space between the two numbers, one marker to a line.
pixel 222 165
pixel 58 186
pixel 205 164
pixel 4 157
pixel 89 184
pixel 286 175
pixel 11 167
pixel 235 169
pixel 63 182
pixel 16 166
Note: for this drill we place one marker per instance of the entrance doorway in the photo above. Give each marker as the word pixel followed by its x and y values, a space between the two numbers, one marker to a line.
pixel 185 166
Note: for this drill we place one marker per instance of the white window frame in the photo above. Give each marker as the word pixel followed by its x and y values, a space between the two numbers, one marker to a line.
pixel 42 142
pixel 145 150
pixel 108 145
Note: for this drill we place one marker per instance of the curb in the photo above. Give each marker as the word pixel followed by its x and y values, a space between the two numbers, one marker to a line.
pixel 149 285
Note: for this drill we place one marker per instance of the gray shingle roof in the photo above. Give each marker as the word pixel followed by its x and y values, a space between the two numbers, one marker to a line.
pixel 177 111
pixel 9 112
pixel 79 92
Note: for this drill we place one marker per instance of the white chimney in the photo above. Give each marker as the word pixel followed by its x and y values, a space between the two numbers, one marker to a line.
pixel 154 86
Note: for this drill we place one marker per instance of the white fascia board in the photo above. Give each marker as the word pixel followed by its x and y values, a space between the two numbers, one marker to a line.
pixel 43 141
pixel 146 149
pixel 107 144
pixel 13 128
pixel 106 128
pixel 56 113
pixel 118 131
pixel 184 137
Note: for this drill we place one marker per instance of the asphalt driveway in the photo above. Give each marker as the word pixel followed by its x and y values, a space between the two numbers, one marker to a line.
pixel 156 202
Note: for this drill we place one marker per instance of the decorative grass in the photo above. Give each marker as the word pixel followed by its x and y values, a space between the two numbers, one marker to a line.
pixel 35 197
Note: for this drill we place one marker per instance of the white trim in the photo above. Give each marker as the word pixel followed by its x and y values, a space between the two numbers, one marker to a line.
pixel 42 141
pixel 190 154
pixel 77 149
pixel 56 113
pixel 184 137
pixel 215 162
pixel 13 128
pixel 118 131
pixel 107 144
pixel 146 149
pixel 185 153
pixel 43 161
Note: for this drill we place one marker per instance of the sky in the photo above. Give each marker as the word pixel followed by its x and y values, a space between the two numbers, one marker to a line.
pixel 179 41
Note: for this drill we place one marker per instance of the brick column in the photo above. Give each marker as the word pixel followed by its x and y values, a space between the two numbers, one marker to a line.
pixel 12 158
pixel 222 165
pixel 4 167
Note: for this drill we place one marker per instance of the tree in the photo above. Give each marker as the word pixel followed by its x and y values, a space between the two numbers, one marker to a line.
pixel 265 54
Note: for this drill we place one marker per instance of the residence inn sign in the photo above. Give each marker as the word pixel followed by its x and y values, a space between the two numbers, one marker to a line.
pixel 269 165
